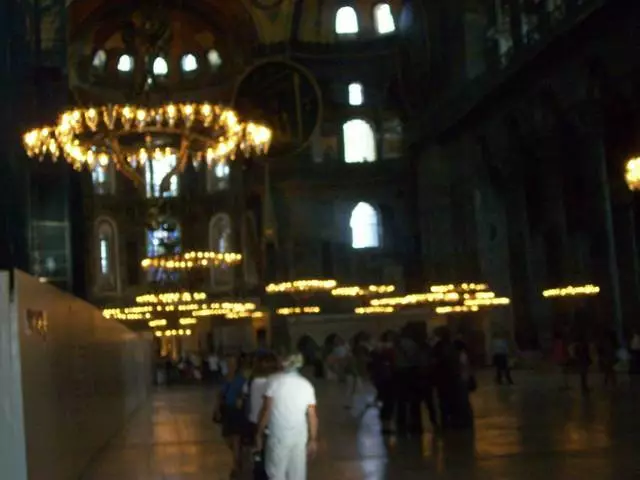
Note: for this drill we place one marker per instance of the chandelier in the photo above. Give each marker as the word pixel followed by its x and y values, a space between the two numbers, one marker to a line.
pixel 632 173
pixel 130 136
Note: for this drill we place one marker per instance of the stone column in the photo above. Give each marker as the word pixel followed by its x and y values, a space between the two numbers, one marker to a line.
pixel 524 292
pixel 590 145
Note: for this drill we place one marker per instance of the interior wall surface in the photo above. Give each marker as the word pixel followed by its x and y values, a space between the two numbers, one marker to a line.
pixel 81 374
pixel 12 452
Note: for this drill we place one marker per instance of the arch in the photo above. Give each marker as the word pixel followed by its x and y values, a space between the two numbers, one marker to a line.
pixel 346 21
pixel 221 241
pixel 103 179
pixel 156 175
pixel 107 278
pixel 218 176
pixel 359 141
pixel 356 94
pixel 165 239
pixel 383 19
pixel 365 226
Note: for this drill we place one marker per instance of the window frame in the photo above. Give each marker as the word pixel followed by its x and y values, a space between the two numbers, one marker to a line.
pixel 221 217
pixel 106 229
pixel 376 19
pixel 341 12
pixel 370 226
pixel 360 94
pixel 374 137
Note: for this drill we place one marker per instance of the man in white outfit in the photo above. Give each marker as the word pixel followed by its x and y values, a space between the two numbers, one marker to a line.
pixel 289 413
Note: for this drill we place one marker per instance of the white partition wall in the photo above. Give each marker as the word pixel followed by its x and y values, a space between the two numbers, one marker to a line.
pixel 79 376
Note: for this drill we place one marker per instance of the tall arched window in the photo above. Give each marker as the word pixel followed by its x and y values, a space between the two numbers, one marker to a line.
pixel 359 141
pixel 218 177
pixel 164 240
pixel 155 172
pixel 365 226
pixel 103 179
pixel 106 248
pixel 346 21
pixel 383 19
pixel 356 94
pixel 220 240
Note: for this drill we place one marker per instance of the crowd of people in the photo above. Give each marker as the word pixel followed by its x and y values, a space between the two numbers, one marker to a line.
pixel 408 371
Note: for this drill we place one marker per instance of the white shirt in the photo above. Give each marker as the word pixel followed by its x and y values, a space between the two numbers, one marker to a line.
pixel 291 395
pixel 256 397
pixel 214 363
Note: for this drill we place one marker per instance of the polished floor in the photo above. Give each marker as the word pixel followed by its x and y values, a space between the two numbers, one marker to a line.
pixel 534 430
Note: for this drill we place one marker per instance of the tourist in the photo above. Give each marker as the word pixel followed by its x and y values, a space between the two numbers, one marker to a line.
pixel 582 359
pixel 500 351
pixel 382 375
pixel 447 379
pixel 213 362
pixel 231 411
pixel 561 357
pixel 608 357
pixel 289 412
pixel 264 366
pixel 426 385
pixel 408 414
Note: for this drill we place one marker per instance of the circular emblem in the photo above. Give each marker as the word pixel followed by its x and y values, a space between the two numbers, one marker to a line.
pixel 286 97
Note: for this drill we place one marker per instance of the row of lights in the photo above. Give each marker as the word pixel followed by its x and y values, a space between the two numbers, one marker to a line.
pixel 298 310
pixel 301 286
pixel 192 260
pixel 174 333
pixel 355 291
pixel 373 310
pixel 160 67
pixel 571 291
pixel 171 297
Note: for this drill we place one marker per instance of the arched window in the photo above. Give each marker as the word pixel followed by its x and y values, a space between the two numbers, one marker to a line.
pixel 356 94
pixel 164 240
pixel 106 265
pixel 103 179
pixel 155 172
pixel 221 241
pixel 99 60
pixel 160 67
pixel 346 21
pixel 125 63
pixel 218 177
pixel 189 63
pixel 365 226
pixel 383 19
pixel 359 141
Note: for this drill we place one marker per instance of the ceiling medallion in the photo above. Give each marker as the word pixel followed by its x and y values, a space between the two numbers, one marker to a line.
pixel 130 136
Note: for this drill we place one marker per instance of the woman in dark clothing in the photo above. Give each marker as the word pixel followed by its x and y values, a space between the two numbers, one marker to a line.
pixel 608 358
pixel 232 411
pixel 427 390
pixel 382 370
pixel 582 360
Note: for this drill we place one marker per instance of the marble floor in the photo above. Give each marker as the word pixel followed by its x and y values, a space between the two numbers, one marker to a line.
pixel 534 430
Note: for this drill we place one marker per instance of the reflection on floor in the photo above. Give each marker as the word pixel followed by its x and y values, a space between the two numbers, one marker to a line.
pixel 531 431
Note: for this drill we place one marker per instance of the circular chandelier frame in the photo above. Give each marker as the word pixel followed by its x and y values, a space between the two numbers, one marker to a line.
pixel 129 136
